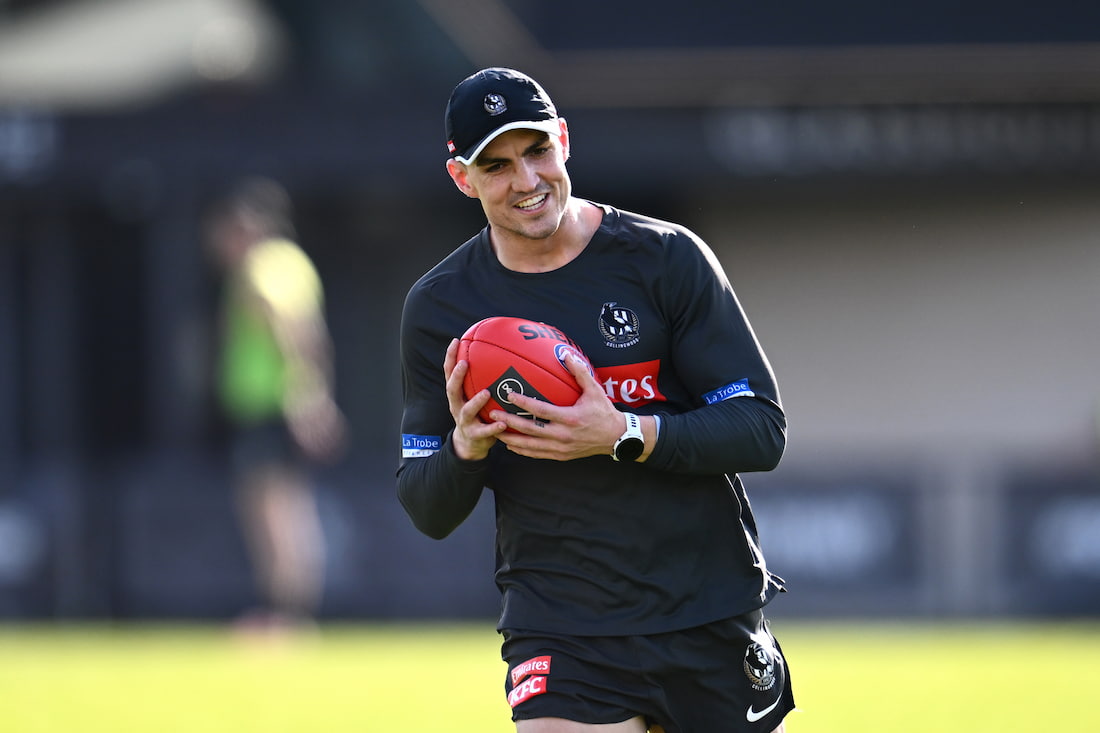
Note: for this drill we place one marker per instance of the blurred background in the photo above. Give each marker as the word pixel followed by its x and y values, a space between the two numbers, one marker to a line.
pixel 904 197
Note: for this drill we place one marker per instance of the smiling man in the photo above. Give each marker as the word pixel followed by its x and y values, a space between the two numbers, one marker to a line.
pixel 628 559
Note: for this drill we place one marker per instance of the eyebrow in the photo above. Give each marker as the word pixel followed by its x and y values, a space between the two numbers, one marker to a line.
pixel 484 161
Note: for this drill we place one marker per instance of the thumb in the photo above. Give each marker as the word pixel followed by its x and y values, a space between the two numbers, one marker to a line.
pixel 583 372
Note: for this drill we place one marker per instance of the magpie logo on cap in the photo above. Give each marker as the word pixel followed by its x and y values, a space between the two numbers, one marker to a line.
pixel 491 102
pixel 495 104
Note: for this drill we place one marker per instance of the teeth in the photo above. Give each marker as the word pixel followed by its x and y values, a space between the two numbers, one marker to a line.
pixel 532 202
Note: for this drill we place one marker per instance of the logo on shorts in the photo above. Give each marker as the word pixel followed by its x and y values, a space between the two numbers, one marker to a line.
pixel 618 325
pixel 528 679
pixel 535 665
pixel 760 666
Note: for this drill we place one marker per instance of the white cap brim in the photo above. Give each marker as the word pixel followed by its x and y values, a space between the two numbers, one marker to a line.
pixel 550 127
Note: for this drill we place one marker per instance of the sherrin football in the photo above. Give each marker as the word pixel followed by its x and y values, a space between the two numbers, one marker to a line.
pixel 509 355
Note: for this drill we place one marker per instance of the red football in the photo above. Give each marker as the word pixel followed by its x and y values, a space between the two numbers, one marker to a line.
pixel 509 355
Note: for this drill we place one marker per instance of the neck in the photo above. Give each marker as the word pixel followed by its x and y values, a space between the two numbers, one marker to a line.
pixel 519 254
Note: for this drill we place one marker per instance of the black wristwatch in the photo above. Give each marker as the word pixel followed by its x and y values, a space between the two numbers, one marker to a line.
pixel 631 444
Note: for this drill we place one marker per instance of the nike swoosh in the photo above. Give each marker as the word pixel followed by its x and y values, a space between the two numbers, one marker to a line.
pixel 752 716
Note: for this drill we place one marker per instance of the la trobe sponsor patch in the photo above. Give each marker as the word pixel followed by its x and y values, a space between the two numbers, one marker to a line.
pixel 420 446
pixel 740 388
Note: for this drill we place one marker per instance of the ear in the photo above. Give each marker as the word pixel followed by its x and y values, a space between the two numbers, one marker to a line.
pixel 563 138
pixel 460 174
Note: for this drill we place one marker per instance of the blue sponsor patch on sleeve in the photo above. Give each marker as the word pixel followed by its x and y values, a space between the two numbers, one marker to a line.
pixel 740 388
pixel 419 446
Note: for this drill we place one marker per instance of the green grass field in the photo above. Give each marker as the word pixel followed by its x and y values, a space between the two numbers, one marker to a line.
pixel 421 678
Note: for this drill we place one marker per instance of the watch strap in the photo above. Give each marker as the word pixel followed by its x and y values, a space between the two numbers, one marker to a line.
pixel 631 443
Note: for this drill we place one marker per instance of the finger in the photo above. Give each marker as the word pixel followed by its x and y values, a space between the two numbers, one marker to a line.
pixel 521 425
pixel 474 405
pixel 533 405
pixel 533 446
pixel 473 438
pixel 451 358
pixel 582 372
pixel 535 416
pixel 455 392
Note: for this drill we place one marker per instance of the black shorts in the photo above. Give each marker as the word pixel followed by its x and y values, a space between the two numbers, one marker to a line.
pixel 729 675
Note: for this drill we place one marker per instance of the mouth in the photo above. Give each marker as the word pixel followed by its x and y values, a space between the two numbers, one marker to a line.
pixel 532 203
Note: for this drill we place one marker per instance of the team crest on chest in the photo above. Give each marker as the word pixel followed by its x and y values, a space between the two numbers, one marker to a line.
pixel 619 326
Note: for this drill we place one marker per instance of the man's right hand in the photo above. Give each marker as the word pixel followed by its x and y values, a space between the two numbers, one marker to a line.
pixel 472 438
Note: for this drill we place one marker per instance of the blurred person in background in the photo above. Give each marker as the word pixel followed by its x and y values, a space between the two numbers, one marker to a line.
pixel 274 388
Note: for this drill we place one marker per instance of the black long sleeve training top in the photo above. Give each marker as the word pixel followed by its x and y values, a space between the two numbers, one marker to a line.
pixel 592 546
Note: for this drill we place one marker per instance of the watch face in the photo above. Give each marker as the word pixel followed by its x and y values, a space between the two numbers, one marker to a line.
pixel 629 449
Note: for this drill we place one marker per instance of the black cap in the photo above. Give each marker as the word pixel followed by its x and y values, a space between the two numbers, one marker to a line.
pixel 493 101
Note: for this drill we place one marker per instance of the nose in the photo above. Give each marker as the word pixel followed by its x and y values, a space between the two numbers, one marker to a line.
pixel 526 177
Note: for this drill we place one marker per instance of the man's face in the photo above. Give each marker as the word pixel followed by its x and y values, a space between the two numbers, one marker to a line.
pixel 521 181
